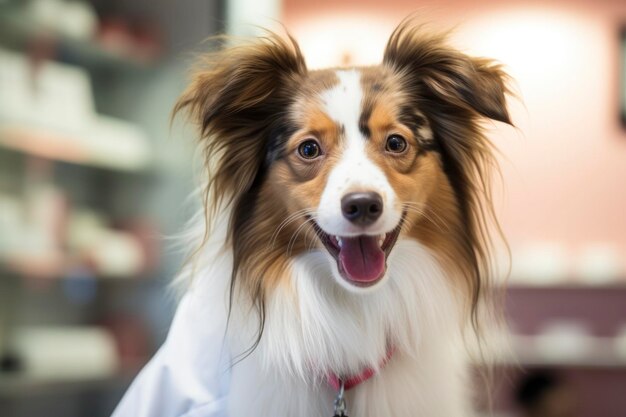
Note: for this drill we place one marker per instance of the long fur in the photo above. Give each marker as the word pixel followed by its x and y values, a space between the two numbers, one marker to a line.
pixel 290 324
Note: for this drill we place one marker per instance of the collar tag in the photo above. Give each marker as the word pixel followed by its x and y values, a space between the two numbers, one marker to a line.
pixel 341 409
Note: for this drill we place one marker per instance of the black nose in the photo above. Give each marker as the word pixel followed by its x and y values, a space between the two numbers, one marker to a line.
pixel 362 208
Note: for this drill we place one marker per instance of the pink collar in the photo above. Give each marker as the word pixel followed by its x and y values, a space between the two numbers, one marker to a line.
pixel 335 381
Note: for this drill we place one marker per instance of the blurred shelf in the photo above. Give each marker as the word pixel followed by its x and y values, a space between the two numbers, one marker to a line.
pixel 567 285
pixel 19 385
pixel 54 268
pixel 49 144
pixel 19 32
pixel 600 354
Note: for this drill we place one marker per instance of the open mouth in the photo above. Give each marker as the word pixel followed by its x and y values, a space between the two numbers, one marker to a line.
pixel 361 260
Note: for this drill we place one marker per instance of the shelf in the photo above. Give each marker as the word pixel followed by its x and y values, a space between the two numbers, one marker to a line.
pixel 37 272
pixel 53 268
pixel 19 32
pixel 566 285
pixel 58 146
pixel 19 385
pixel 600 354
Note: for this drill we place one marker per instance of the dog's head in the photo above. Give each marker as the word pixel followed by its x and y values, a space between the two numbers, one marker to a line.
pixel 348 161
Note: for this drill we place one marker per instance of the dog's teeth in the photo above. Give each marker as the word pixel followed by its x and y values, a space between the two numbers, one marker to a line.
pixel 339 242
pixel 381 239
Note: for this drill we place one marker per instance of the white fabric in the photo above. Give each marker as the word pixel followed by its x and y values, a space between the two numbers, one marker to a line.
pixel 189 375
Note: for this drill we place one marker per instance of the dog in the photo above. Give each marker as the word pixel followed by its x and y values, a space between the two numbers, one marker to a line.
pixel 346 254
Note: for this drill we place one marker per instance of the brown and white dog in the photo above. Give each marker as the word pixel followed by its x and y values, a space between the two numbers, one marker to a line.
pixel 348 210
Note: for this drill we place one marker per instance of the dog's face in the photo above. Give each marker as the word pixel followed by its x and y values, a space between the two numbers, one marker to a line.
pixel 359 165
pixel 348 161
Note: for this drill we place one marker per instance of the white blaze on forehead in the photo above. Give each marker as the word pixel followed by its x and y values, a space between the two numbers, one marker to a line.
pixel 355 171
pixel 343 102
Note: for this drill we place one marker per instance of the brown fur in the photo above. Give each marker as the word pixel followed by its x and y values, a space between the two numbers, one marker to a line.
pixel 256 103
pixel 237 97
pixel 456 91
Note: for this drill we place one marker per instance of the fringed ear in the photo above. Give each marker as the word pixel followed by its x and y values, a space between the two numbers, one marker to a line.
pixel 237 96
pixel 473 85
pixel 455 92
pixel 240 97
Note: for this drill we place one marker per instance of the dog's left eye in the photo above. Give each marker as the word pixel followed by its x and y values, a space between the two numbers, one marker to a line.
pixel 395 144
pixel 309 149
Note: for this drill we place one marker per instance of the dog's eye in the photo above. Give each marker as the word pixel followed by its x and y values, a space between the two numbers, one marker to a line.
pixel 395 144
pixel 309 149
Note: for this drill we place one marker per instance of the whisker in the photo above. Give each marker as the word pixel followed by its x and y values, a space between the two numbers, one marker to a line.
pixel 290 219
pixel 287 220
pixel 430 215
pixel 311 242
pixel 430 219
pixel 294 236
pixel 424 207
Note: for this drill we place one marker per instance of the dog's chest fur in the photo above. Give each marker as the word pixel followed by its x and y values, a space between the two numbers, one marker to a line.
pixel 314 327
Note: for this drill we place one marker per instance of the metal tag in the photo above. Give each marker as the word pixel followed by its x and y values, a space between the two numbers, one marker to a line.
pixel 341 410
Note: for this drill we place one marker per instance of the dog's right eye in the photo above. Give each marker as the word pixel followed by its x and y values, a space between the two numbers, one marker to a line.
pixel 309 149
pixel 396 144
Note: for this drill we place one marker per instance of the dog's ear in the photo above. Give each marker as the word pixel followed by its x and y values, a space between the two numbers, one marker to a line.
pixel 440 73
pixel 237 97
pixel 455 92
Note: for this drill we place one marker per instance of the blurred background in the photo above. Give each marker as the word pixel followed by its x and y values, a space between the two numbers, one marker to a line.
pixel 92 178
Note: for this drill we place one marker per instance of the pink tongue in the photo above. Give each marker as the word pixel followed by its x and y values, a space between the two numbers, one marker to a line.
pixel 362 259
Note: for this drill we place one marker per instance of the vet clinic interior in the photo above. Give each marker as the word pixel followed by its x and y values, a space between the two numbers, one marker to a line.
pixel 95 180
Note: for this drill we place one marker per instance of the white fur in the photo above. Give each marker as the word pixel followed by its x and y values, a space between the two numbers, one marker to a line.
pixel 355 171
pixel 315 327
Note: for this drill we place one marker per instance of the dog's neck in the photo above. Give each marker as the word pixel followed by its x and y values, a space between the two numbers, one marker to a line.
pixel 314 327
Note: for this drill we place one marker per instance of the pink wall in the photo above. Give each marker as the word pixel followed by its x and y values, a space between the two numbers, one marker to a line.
pixel 564 170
